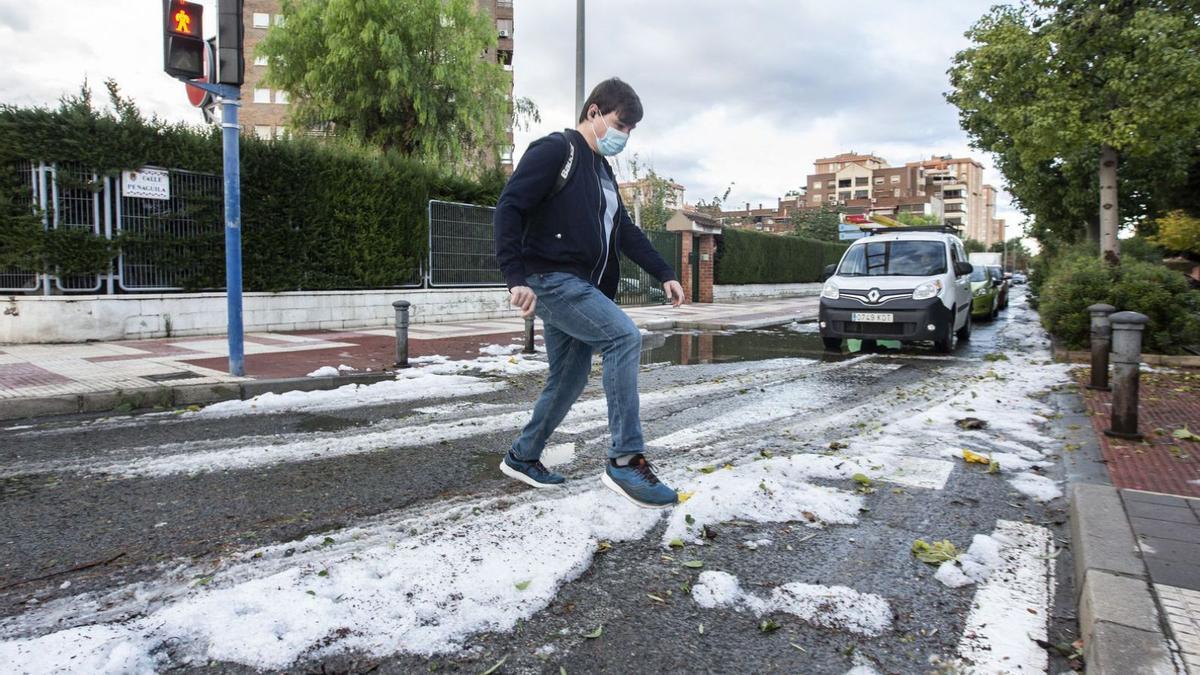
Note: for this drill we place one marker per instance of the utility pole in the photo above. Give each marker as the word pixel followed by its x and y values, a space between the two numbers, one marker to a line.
pixel 579 49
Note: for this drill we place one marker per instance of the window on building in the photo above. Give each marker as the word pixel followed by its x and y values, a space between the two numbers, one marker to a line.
pixel 862 194
pixel 263 131
pixel 861 180
pixel 505 27
pixel 506 154
pixel 262 95
pixel 816 199
pixel 278 19
pixel 260 60
pixel 281 97
pixel 281 133
pixel 895 178
pixel 844 195
pixel 262 20
pixel 504 57
pixel 844 182
pixel 829 185
pixel 879 180
pixel 896 192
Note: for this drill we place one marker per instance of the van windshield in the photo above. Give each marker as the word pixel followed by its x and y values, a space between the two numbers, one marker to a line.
pixel 895 259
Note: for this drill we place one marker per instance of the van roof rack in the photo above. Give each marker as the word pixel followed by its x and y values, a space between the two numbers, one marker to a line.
pixel 945 229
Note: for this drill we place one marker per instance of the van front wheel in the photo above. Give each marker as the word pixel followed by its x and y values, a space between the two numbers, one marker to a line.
pixel 945 343
pixel 964 333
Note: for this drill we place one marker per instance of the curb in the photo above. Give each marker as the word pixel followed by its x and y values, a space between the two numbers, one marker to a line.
pixel 1119 620
pixel 175 396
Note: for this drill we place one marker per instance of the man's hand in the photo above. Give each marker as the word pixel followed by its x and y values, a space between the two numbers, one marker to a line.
pixel 523 298
pixel 674 293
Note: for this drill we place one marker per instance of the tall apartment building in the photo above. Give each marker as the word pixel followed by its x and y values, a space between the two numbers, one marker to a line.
pixel 960 182
pixel 264 111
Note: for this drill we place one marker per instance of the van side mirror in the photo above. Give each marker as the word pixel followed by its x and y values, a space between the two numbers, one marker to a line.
pixel 963 268
pixel 829 270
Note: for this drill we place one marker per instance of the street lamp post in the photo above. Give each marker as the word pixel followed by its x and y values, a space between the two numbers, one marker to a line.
pixel 579 49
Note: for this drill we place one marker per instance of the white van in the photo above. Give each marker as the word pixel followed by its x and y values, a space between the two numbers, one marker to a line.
pixel 899 283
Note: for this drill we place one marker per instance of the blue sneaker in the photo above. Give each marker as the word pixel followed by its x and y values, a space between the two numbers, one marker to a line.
pixel 637 483
pixel 532 473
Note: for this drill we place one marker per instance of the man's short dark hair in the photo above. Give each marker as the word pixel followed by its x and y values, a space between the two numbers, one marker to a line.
pixel 614 94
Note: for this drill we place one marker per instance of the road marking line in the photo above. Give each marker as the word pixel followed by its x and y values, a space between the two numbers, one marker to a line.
pixel 1012 608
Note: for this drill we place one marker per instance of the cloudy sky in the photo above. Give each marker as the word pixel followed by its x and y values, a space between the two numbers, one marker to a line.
pixel 747 92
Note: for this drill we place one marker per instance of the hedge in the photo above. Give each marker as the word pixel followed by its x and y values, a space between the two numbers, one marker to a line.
pixel 744 257
pixel 316 215
pixel 1078 279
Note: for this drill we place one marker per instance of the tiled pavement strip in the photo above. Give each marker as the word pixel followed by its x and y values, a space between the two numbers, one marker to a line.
pixel 41 370
pixel 1158 480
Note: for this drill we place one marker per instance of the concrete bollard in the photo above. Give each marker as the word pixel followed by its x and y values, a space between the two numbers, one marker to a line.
pixel 529 348
pixel 1127 328
pixel 401 307
pixel 1101 344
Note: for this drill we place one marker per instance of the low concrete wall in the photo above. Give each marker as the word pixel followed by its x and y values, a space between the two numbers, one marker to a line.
pixel 81 318
pixel 752 292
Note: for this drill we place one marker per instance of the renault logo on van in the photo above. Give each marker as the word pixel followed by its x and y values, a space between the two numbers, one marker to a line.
pixel 873 295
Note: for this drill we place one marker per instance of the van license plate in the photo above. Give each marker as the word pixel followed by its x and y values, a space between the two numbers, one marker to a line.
pixel 870 317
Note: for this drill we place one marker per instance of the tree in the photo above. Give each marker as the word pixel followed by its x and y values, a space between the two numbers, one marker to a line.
pixel 1178 231
pixel 714 206
pixel 1051 86
pixel 918 219
pixel 397 74
pixel 651 195
pixel 820 223
pixel 974 246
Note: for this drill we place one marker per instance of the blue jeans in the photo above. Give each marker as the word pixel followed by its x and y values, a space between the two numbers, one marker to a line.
pixel 578 319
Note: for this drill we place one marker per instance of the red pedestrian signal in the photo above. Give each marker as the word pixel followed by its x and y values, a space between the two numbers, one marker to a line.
pixel 183 39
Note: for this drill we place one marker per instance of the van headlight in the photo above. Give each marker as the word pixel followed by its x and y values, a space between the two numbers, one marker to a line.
pixel 830 291
pixel 927 290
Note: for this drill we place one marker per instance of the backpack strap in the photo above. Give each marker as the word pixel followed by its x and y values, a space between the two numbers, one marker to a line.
pixel 568 167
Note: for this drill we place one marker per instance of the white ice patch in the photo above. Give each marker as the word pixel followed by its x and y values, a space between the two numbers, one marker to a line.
pixel 407 386
pixel 1038 487
pixel 500 350
pixel 972 567
pixel 835 607
pixel 421 595
pixel 769 491
pixel 324 371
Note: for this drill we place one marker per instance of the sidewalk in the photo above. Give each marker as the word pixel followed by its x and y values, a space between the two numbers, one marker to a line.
pixel 1137 542
pixel 63 378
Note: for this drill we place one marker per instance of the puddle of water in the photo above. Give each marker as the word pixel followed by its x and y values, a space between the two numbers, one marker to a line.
pixel 756 345
pixel 312 423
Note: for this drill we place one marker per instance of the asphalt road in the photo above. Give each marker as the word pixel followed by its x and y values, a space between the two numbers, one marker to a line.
pixel 96 526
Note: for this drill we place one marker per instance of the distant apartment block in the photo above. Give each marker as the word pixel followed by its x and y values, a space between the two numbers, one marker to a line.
pixel 264 111
pixel 950 189
pixel 644 190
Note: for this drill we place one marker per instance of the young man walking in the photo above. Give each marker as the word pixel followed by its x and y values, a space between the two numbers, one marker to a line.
pixel 559 226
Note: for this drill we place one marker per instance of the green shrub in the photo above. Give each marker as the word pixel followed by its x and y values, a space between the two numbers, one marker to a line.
pixel 755 258
pixel 1078 281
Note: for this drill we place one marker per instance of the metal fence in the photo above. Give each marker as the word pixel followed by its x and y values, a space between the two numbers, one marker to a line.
pixel 462 251
pixel 162 230
pixel 161 240
pixel 637 287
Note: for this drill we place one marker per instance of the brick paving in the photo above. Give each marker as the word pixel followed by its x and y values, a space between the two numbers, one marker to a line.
pixel 1169 400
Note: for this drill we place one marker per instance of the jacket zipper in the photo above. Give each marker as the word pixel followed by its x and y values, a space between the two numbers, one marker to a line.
pixel 600 220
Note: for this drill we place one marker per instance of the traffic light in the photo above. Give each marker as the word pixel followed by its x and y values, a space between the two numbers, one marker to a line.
pixel 231 63
pixel 183 39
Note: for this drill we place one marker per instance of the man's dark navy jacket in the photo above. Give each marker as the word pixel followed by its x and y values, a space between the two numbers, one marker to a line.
pixel 565 233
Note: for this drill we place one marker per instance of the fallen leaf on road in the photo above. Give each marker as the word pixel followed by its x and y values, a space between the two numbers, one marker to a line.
pixel 522 585
pixel 707 469
pixel 971 423
pixel 694 564
pixel 975 457
pixel 861 479
pixel 684 496
pixel 768 625
pixel 603 547
pixel 595 634
pixel 993 467
pixel 934 553
pixel 676 543
pixel 655 598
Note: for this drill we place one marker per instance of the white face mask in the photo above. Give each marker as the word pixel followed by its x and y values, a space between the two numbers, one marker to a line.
pixel 612 142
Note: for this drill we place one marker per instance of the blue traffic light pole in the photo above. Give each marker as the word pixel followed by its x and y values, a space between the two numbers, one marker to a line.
pixel 230 99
